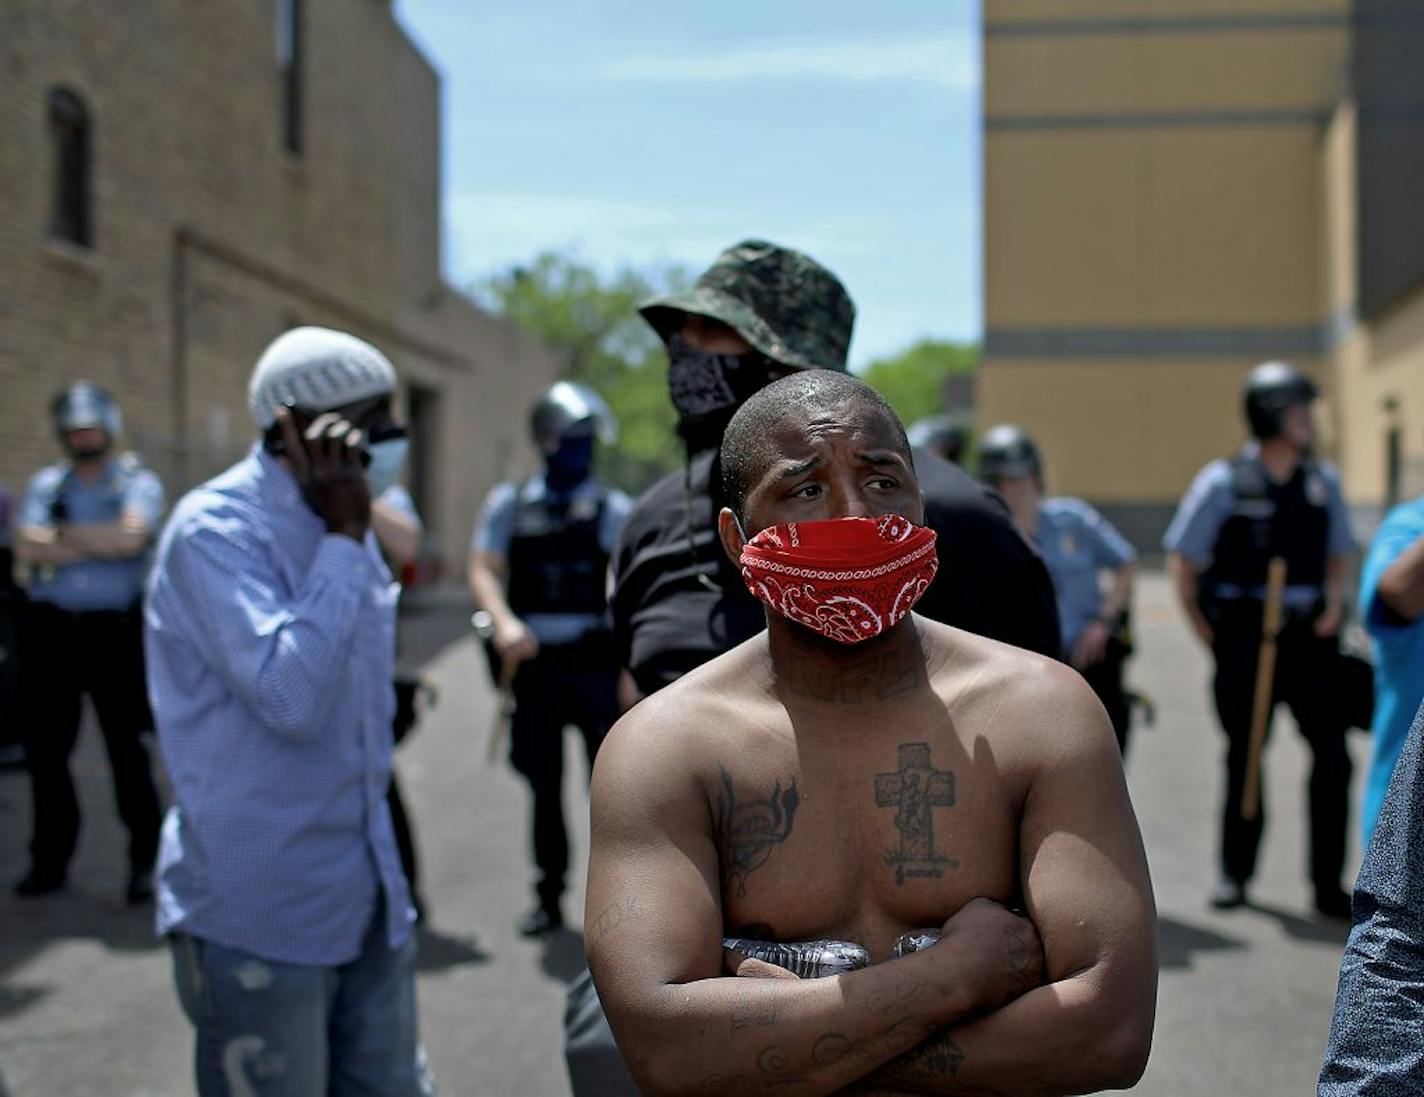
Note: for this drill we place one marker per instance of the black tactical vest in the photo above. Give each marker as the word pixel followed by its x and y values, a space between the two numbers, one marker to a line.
pixel 1290 520
pixel 556 564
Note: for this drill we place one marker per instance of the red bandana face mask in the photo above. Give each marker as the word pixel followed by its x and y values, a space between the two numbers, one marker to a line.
pixel 849 579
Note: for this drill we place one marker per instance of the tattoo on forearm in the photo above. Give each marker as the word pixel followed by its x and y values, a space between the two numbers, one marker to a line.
pixel 879 676
pixel 755 1007
pixel 914 791
pixel 747 830
pixel 1021 964
pixel 612 916
pixel 937 1058
pixel 885 1001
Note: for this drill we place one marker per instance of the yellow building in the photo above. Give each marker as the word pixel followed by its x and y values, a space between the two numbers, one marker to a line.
pixel 1176 190
pixel 182 182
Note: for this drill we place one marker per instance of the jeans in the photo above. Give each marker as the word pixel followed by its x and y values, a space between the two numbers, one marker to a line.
pixel 266 1029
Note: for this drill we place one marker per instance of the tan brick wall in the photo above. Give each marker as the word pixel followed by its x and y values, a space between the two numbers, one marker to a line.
pixel 1153 197
pixel 195 201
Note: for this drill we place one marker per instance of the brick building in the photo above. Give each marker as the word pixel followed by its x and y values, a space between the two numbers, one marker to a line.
pixel 181 182
pixel 1176 190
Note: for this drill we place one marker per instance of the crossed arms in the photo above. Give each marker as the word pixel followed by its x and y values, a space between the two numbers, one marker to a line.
pixel 959 1018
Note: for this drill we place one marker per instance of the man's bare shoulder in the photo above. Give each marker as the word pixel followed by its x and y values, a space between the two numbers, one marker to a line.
pixel 1023 699
pixel 687 725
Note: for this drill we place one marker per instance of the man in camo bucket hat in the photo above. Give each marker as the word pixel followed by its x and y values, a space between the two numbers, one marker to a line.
pixel 759 312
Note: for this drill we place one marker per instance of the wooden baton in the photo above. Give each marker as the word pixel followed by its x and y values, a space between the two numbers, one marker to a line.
pixel 1265 686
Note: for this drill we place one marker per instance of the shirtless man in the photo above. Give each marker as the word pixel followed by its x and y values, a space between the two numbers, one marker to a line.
pixel 801 788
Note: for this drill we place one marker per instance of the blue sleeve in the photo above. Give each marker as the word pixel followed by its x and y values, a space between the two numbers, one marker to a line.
pixel 1374 1042
pixel 615 513
pixel 281 652
pixel 1401 528
pixel 398 499
pixel 1341 540
pixel 1108 547
pixel 145 498
pixel 495 527
pixel 1201 514
pixel 36 510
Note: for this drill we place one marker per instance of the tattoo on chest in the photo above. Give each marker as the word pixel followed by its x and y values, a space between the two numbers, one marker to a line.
pixel 748 830
pixel 914 790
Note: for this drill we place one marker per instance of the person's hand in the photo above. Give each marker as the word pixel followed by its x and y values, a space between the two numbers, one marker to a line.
pixel 996 954
pixel 744 967
pixel 1092 644
pixel 514 642
pixel 1202 627
pixel 327 467
pixel 1328 623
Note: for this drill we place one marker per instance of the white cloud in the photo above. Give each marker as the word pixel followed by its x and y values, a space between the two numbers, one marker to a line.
pixel 945 62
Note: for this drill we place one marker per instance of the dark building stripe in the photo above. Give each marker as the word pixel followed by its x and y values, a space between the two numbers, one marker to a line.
pixel 1125 342
pixel 1181 24
pixel 1036 123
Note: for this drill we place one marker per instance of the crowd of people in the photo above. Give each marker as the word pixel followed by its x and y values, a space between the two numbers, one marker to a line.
pixel 824 631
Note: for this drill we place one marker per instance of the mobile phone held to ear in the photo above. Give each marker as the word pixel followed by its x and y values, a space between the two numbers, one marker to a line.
pixel 275 443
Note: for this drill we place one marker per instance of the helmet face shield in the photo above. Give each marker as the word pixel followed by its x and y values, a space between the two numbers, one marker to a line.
pixel 570 409
pixel 84 406
pixel 1008 453
pixel 1271 389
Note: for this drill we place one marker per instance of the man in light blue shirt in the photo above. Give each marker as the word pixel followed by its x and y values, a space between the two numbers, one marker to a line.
pixel 1077 544
pixel 85 528
pixel 1392 607
pixel 271 643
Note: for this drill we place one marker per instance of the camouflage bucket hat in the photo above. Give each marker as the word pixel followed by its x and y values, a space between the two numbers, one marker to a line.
pixel 784 303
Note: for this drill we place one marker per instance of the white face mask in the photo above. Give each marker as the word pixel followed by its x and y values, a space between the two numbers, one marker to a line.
pixel 387 458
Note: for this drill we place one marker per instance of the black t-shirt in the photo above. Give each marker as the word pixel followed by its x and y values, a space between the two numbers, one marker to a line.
pixel 678 601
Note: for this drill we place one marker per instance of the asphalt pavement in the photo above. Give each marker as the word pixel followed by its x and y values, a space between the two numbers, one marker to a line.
pixel 87 1007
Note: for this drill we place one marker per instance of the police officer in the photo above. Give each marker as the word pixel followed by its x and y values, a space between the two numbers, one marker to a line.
pixel 1273 499
pixel 538 566
pixel 86 526
pixel 1077 543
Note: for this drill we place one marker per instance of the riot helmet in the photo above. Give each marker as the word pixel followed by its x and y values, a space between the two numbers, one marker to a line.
pixel 1272 388
pixel 1006 453
pixel 570 409
pixel 86 406
pixel 942 435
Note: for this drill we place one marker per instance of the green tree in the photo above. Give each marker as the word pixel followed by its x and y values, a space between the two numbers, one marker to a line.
pixel 912 381
pixel 592 321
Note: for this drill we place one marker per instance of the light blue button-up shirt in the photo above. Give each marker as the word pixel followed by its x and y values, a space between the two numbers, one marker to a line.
pixel 1210 502
pixel 271 656
pixel 123 485
pixel 495 530
pixel 1076 542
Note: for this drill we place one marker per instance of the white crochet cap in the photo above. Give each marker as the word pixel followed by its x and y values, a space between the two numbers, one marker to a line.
pixel 319 369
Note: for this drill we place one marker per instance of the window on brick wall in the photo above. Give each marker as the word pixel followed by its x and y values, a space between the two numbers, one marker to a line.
pixel 70 135
pixel 289 69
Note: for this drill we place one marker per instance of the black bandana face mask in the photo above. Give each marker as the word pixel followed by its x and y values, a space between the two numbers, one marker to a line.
pixel 707 389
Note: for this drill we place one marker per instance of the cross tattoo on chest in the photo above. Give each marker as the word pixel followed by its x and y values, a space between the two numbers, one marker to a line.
pixel 915 790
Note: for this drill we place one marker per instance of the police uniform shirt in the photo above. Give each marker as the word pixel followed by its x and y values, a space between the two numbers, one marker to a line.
pixel 122 486
pixel 1211 499
pixel 678 601
pixel 495 530
pixel 1077 543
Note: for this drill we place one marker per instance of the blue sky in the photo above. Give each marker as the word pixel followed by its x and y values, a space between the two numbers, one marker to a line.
pixel 629 131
